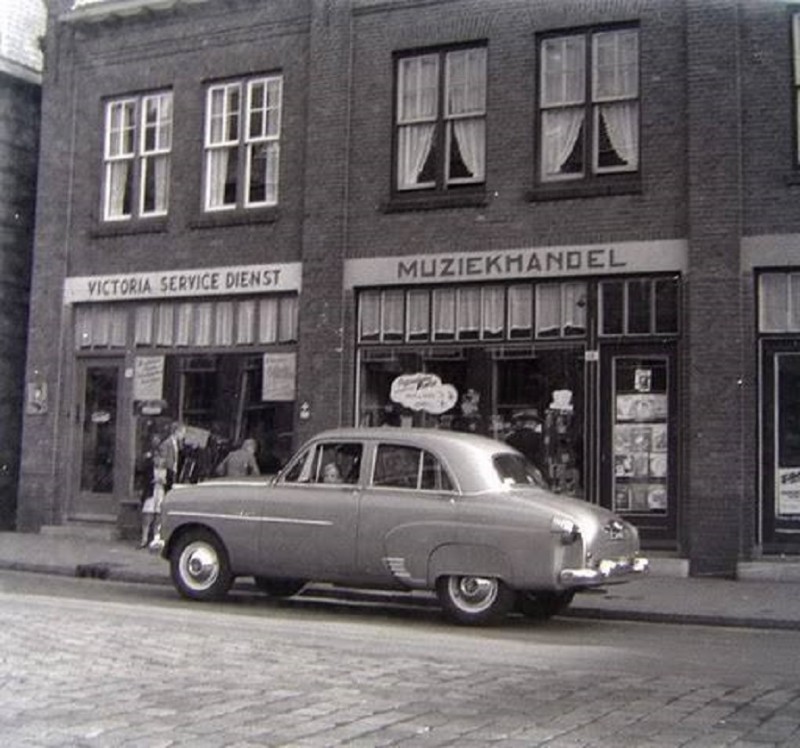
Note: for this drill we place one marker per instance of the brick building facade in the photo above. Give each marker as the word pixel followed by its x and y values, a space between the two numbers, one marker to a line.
pixel 572 224
pixel 20 90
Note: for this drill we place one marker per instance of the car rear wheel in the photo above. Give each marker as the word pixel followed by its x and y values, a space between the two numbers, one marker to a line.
pixel 474 600
pixel 279 587
pixel 544 605
pixel 199 566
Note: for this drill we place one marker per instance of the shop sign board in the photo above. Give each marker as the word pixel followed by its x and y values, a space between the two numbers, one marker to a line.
pixel 425 392
pixel 789 491
pixel 216 281
pixel 506 264
pixel 280 373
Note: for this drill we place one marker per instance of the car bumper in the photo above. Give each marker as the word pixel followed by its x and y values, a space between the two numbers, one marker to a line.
pixel 607 571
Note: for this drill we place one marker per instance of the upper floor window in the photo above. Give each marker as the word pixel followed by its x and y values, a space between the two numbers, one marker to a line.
pixel 441 119
pixel 589 104
pixel 138 145
pixel 242 143
pixel 779 302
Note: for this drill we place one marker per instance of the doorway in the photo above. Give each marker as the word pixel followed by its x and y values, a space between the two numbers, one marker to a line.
pixel 639 446
pixel 780 447
pixel 98 464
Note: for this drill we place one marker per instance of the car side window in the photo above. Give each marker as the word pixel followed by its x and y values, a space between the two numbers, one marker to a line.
pixel 400 466
pixel 328 462
pixel 337 463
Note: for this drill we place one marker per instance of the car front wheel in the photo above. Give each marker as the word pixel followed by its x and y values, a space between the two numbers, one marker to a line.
pixel 474 600
pixel 199 566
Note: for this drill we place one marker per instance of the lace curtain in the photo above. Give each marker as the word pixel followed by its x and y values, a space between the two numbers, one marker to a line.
pixel 417 112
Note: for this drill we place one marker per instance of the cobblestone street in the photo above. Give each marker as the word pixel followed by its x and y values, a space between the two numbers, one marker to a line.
pixel 81 673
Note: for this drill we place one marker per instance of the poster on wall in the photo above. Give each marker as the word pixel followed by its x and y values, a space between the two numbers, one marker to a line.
pixel 424 392
pixel 148 378
pixel 278 384
pixel 788 491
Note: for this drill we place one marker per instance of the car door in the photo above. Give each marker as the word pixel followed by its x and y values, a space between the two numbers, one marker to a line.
pixel 408 509
pixel 308 524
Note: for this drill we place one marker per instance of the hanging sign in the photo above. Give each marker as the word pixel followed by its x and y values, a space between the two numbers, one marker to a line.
pixel 280 371
pixel 424 392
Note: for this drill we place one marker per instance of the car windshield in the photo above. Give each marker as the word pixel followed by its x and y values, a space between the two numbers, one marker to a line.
pixel 515 470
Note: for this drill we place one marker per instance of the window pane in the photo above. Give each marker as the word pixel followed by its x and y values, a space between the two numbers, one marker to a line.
pixel 397 466
pixel 548 310
pixel 393 323
pixel 574 308
pixel 419 306
pixel 612 299
pixel 434 476
pixel 616 64
pixel 222 176
pixel 639 301
pixel 370 315
pixel 520 311
pixel 563 76
pixel 263 174
pixel 562 139
pixel 268 320
pixel 773 302
pixel 143 325
pixel 493 312
pixel 417 90
pixel 466 82
pixel 666 305
pixel 444 314
pixel 469 313
pixel 155 185
pixel 288 307
pixel 223 332
pixel 119 189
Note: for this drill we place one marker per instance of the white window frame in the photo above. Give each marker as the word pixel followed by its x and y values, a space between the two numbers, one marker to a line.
pixel 796 81
pixel 237 135
pixel 126 146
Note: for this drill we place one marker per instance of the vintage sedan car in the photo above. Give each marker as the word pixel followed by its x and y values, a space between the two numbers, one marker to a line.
pixel 403 509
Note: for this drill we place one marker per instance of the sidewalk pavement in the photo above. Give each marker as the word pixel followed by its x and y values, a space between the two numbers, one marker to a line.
pixel 766 594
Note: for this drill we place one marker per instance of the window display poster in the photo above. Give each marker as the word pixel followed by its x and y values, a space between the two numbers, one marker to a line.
pixel 278 384
pixel 641 407
pixel 148 378
pixel 788 491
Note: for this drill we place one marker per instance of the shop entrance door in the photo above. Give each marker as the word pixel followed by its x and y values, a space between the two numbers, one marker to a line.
pixel 638 449
pixel 97 463
pixel 780 447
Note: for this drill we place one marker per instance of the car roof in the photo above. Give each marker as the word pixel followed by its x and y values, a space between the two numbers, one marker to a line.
pixel 466 455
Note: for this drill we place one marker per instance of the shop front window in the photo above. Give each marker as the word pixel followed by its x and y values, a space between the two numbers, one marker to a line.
pixel 530 397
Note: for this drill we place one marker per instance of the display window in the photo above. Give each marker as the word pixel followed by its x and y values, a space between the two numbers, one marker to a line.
pixel 533 398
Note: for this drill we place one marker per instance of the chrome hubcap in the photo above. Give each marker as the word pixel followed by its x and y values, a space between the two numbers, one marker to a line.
pixel 473 593
pixel 199 566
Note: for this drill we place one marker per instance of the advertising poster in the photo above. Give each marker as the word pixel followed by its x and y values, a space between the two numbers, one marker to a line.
pixel 280 372
pixel 788 491
pixel 148 378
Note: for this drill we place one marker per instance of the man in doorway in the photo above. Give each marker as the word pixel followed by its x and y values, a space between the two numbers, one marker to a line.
pixel 170 451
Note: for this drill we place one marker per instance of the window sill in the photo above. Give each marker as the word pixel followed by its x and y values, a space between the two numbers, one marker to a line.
pixel 126 228
pixel 239 217
pixel 576 190
pixel 416 202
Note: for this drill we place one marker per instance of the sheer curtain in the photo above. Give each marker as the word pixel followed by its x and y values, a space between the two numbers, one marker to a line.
pixel 562 99
pixel 560 130
pixel 615 79
pixel 622 126
pixel 520 310
pixel 416 116
pixel 466 101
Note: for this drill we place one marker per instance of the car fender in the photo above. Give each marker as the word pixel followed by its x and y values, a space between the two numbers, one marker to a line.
pixel 468 559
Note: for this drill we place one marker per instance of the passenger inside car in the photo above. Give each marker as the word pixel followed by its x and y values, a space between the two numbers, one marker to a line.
pixel 330 473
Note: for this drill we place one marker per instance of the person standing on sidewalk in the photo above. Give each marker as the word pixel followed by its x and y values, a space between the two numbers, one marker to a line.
pixel 170 452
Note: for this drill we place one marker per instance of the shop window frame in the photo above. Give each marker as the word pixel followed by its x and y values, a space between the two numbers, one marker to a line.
pixel 654 311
